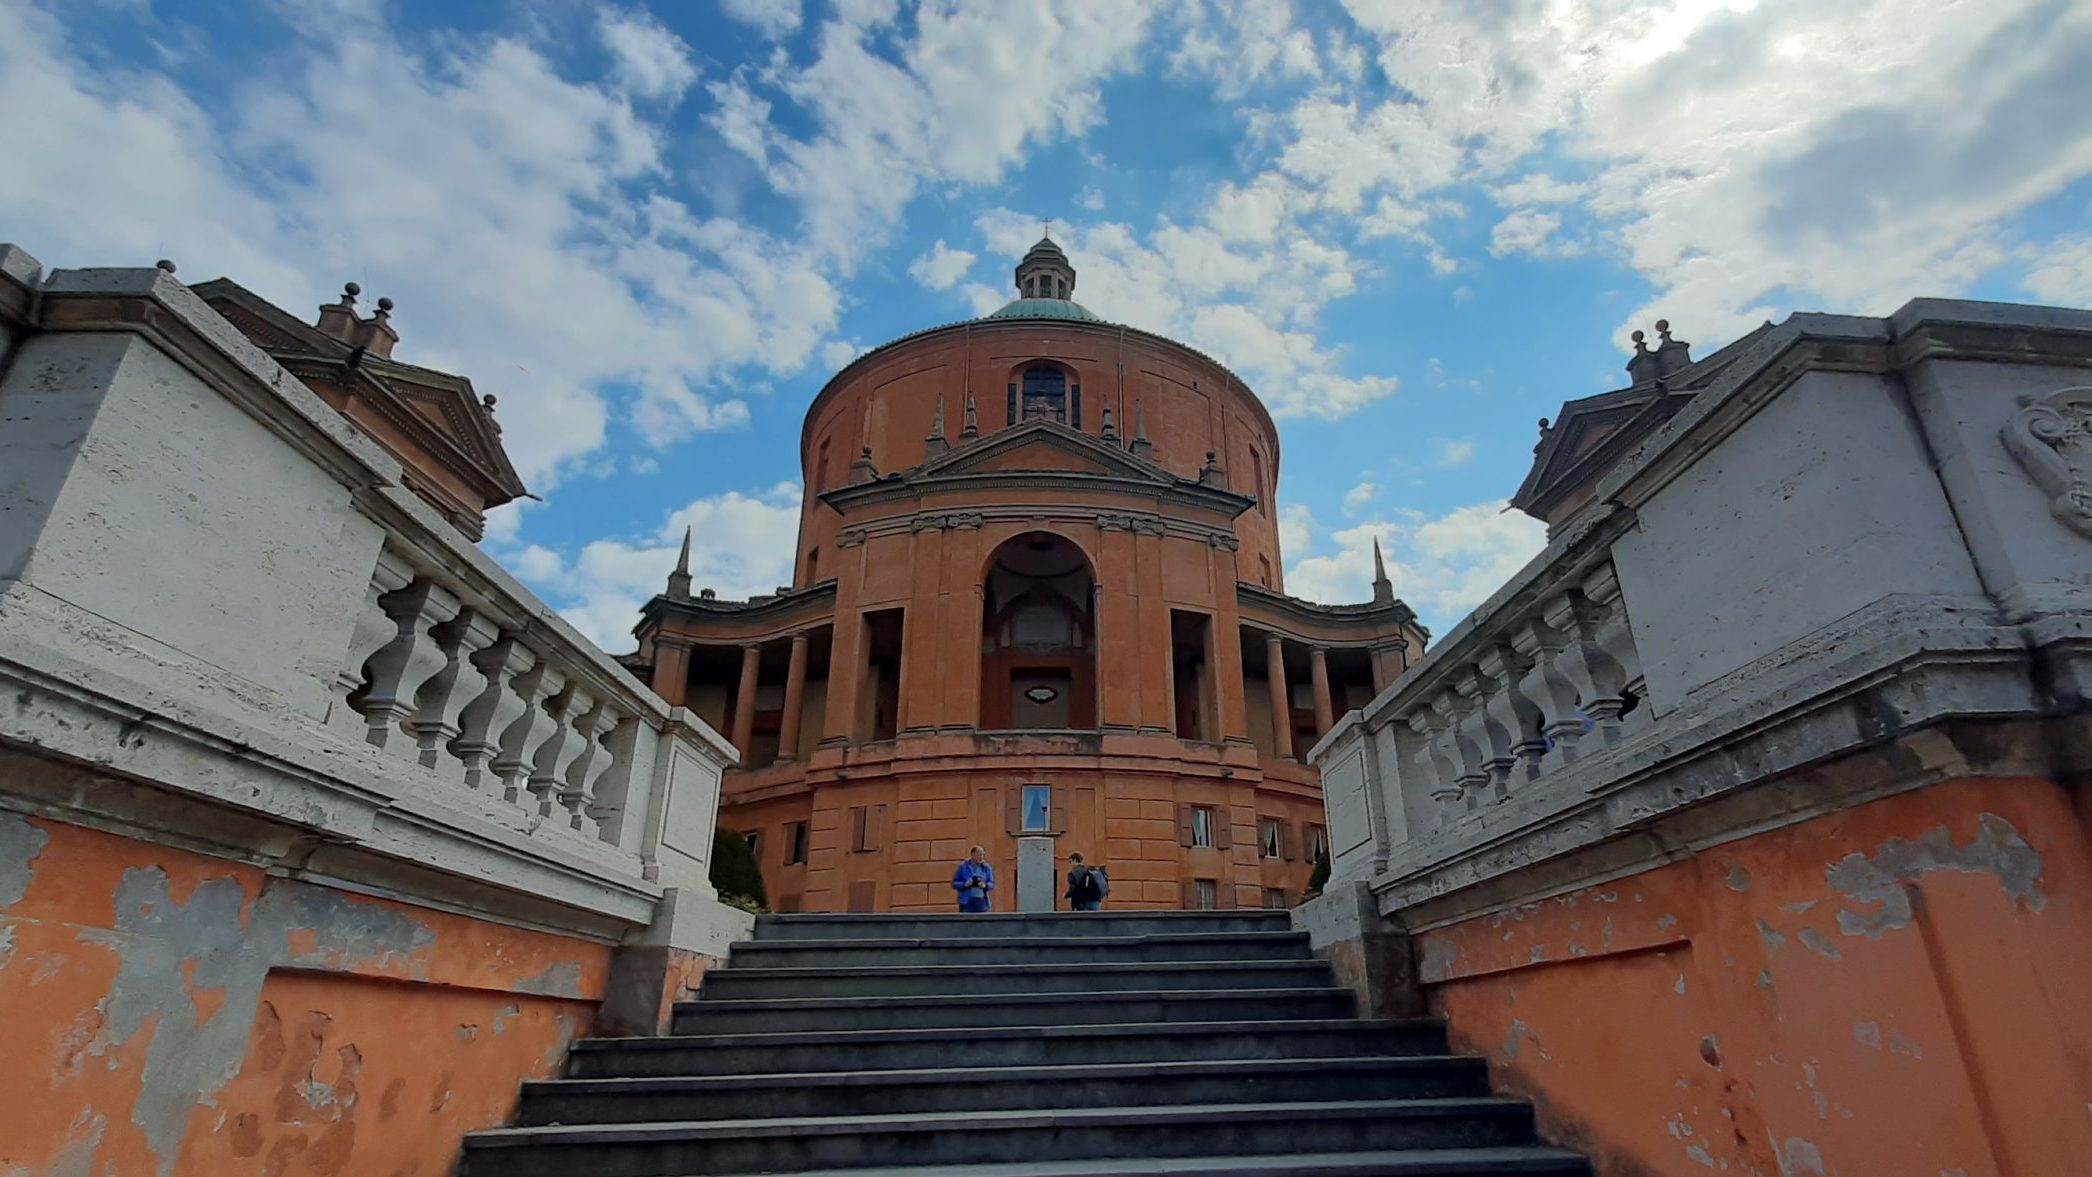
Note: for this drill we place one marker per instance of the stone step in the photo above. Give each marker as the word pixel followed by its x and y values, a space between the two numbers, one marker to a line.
pixel 1001 1046
pixel 794 1145
pixel 715 1016
pixel 1432 1162
pixel 944 1089
pixel 737 982
pixel 1069 949
pixel 954 926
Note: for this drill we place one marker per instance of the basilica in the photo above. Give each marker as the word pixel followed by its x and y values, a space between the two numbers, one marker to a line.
pixel 1037 606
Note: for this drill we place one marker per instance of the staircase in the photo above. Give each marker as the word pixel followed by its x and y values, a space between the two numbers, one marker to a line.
pixel 1097 1044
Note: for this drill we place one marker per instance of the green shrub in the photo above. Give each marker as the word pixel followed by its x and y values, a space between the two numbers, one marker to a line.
pixel 1320 878
pixel 734 870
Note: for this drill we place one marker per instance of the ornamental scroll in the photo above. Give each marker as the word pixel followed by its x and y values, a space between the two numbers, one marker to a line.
pixel 2052 438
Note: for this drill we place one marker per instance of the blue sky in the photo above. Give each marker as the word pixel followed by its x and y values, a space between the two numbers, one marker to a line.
pixel 1415 226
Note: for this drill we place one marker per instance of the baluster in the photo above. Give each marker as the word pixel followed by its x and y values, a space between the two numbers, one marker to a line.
pixel 410 659
pixel 548 770
pixel 444 697
pixel 374 628
pixel 1597 677
pixel 485 718
pixel 1562 725
pixel 579 794
pixel 1470 774
pixel 1492 742
pixel 1616 637
pixel 530 728
pixel 1513 711
pixel 1442 777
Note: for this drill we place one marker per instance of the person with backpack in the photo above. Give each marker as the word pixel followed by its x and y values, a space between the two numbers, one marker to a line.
pixel 1087 885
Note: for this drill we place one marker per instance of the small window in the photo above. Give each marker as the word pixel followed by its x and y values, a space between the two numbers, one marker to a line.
pixel 1318 843
pixel 1264 571
pixel 1038 809
pixel 813 565
pixel 1270 839
pixel 1201 827
pixel 1275 897
pixel 1044 393
pixel 1205 894
pixel 798 854
pixel 755 844
pixel 864 826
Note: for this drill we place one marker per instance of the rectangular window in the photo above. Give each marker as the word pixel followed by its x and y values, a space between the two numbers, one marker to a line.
pixel 1269 838
pixel 865 821
pixel 1038 809
pixel 1256 471
pixel 1318 843
pixel 879 694
pixel 1012 413
pixel 755 844
pixel 813 565
pixel 1275 897
pixel 1075 405
pixel 1201 827
pixel 1205 894
pixel 798 854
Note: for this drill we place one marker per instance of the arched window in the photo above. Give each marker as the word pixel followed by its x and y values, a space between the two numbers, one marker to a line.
pixel 1043 393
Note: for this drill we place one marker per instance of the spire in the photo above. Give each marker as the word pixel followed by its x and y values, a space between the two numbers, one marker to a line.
pixel 936 444
pixel 679 580
pixel 1383 588
pixel 1045 273
pixel 1140 447
pixel 972 429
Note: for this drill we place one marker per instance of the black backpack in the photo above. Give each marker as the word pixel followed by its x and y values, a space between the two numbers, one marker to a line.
pixel 1091 885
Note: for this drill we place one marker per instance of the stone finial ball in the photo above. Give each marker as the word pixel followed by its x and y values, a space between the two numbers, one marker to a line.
pixel 164 264
pixel 1662 325
pixel 1638 337
pixel 385 304
pixel 351 289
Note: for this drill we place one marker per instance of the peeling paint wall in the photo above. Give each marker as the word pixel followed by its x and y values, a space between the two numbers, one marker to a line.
pixel 172 1014
pixel 1891 990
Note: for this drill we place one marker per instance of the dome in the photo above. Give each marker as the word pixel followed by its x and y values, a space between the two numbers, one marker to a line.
pixel 1045 308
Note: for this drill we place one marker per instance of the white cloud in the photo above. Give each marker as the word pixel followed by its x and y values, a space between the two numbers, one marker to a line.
pixel 1448 454
pixel 1530 231
pixel 1443 566
pixel 942 267
pixel 773 18
pixel 2062 272
pixel 1746 156
pixel 1358 496
pixel 521 226
pixel 837 352
pixel 955 101
pixel 1240 44
pixel 1092 198
pixel 741 545
pixel 651 61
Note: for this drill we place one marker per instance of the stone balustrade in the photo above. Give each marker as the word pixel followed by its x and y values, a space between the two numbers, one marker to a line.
pixel 1846 539
pixel 215 585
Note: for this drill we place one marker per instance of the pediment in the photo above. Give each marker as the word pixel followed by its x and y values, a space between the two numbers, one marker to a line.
pixel 1041 447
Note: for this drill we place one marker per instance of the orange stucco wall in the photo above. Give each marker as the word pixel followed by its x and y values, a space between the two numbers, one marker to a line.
pixel 1894 990
pixel 173 1013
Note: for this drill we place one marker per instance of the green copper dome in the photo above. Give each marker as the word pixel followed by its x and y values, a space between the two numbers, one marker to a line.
pixel 1045 308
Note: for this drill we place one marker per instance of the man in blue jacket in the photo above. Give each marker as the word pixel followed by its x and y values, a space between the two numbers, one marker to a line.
pixel 973 881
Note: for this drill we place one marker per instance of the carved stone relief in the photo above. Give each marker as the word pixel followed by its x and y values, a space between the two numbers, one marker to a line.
pixel 2052 438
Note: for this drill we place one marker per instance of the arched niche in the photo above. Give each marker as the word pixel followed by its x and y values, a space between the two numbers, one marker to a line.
pixel 1038 636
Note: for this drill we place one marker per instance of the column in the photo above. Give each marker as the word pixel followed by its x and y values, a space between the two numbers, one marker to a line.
pixel 1281 706
pixel 671 670
pixel 744 699
pixel 1318 669
pixel 795 691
